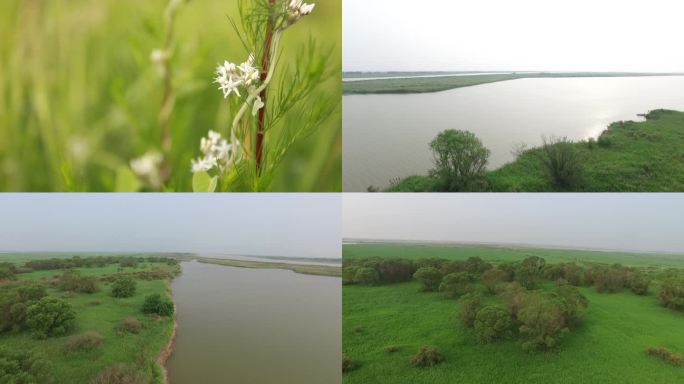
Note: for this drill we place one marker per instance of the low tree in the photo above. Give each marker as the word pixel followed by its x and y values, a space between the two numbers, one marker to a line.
pixel 476 266
pixel 72 281
pixel 572 303
pixel 513 295
pixel 156 304
pixel 492 323
pixel 395 270
pixel 14 302
pixel 530 271
pixel 460 160
pixel 542 323
pixel 671 293
pixel 456 284
pixel 469 304
pixel 493 279
pixel 563 163
pixel 123 287
pixel 50 316
pixel 430 277
pixel 639 283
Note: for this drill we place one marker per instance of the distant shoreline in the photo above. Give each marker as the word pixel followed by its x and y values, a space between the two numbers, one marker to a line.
pixel 306 269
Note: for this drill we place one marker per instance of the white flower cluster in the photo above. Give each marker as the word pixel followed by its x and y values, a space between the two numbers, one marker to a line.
pixel 148 168
pixel 217 153
pixel 230 76
pixel 297 9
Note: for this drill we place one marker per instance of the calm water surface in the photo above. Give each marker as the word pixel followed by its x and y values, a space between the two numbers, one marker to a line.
pixel 387 136
pixel 239 325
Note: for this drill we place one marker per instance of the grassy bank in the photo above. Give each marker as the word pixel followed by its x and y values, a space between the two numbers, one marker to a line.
pixel 443 83
pixel 627 157
pixel 307 269
pixel 102 313
pixel 608 346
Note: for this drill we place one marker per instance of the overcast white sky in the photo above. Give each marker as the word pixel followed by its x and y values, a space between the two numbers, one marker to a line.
pixel 295 225
pixel 578 35
pixel 632 222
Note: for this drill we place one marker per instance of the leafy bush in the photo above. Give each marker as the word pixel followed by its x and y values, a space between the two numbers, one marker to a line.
pixel 14 303
pixel 23 367
pixel 430 277
pixel 366 276
pixel 395 270
pixel 84 342
pixel 605 141
pixel 543 323
pixel 123 287
pixel 530 271
pixel 130 325
pixel 349 274
pixel 639 283
pixel 118 374
pixel 72 281
pixel 671 293
pixel 476 265
pixel 460 160
pixel 562 162
pixel 666 355
pixel 427 356
pixel 8 271
pixel 493 279
pixel 129 262
pixel 50 316
pixel 513 296
pixel 610 279
pixel 455 285
pixel 469 304
pixel 572 304
pixel 492 323
pixel 155 304
pixel 348 364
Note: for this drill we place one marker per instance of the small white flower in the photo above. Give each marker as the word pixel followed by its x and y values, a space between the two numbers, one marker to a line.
pixel 158 56
pixel 297 9
pixel 148 168
pixel 217 153
pixel 231 77
pixel 203 164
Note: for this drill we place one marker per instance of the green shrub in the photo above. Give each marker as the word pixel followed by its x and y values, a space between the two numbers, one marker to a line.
pixel 605 141
pixel 666 355
pixel 366 276
pixel 493 279
pixel 456 284
pixel 14 303
pixel 671 293
pixel 530 271
pixel 430 277
pixel 85 342
pixel 130 325
pixel 563 163
pixel 427 356
pixel 469 304
pixel 348 364
pixel 513 296
pixel 639 283
pixel 492 323
pixel 50 316
pixel 72 281
pixel 460 160
pixel 23 367
pixel 123 287
pixel 395 270
pixel 572 304
pixel 349 274
pixel 155 304
pixel 543 323
pixel 118 374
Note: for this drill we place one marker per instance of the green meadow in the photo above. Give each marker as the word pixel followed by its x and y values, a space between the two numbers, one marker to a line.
pixel 102 313
pixel 608 346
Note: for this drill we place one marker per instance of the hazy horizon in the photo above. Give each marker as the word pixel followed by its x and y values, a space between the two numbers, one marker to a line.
pixel 216 224
pixel 648 223
pixel 527 35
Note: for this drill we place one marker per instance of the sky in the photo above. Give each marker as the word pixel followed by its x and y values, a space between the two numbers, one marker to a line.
pixel 534 35
pixel 293 225
pixel 648 222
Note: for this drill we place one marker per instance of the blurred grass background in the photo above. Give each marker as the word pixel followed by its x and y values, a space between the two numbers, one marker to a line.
pixel 80 97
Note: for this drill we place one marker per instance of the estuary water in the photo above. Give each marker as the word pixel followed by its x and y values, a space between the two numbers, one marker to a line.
pixel 387 136
pixel 240 325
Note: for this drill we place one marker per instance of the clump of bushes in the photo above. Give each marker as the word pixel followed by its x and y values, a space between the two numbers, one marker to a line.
pixel 72 281
pixel 14 303
pixel 456 284
pixel 50 316
pixel 666 355
pixel 427 356
pixel 123 287
pixel 430 278
pixel 155 304
pixel 492 323
pixel 85 342
pixel 563 163
pixel 118 374
pixel 671 293
pixel 20 366
pixel 530 271
pixel 130 325
pixel 459 161
pixel 348 364
pixel 639 283
pixel 8 271
pixel 469 304
pixel 372 272
pixel 493 279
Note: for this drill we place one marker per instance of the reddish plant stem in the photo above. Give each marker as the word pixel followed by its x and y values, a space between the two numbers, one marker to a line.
pixel 265 62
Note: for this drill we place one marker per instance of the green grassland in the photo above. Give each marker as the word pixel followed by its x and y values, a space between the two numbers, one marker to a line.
pixel 629 156
pixel 443 83
pixel 608 346
pixel 307 269
pixel 101 312
pixel 80 96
